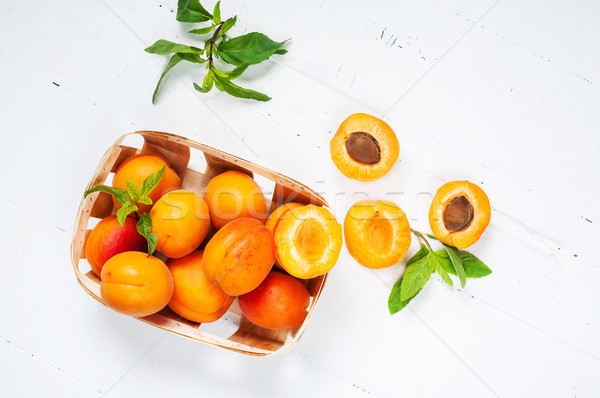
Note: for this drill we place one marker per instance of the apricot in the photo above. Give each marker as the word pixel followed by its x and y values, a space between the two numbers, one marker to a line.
pixel 377 233
pixel 364 147
pixel 108 238
pixel 274 217
pixel 459 213
pixel 136 284
pixel 239 256
pixel 137 168
pixel 279 302
pixel 195 297
pixel 232 195
pixel 181 220
pixel 308 241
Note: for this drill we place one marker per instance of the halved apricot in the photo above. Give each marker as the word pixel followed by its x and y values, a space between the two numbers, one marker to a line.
pixel 308 241
pixel 195 297
pixel 459 213
pixel 239 256
pixel 232 195
pixel 137 168
pixel 364 148
pixel 377 233
pixel 274 217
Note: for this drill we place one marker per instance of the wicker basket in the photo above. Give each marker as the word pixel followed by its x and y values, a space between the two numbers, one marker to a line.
pixel 233 331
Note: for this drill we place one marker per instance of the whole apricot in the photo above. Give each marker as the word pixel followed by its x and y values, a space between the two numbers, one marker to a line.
pixel 279 302
pixel 195 297
pixel 136 284
pixel 274 217
pixel 377 233
pixel 181 220
pixel 364 147
pixel 108 238
pixel 239 256
pixel 232 195
pixel 459 213
pixel 137 168
pixel 307 241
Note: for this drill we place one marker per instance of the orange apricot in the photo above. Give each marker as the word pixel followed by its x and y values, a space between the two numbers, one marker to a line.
pixel 239 256
pixel 181 220
pixel 459 213
pixel 136 284
pixel 377 233
pixel 308 241
pixel 279 302
pixel 274 217
pixel 137 168
pixel 231 195
pixel 195 297
pixel 108 238
pixel 364 148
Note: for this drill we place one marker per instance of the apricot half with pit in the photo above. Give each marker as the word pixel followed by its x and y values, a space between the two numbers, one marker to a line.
pixel 459 213
pixel 377 233
pixel 308 241
pixel 364 148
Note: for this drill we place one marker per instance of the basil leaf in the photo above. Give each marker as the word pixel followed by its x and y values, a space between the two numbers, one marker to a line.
pixel 151 182
pixel 217 12
pixel 124 211
pixel 203 31
pixel 395 302
pixel 144 227
pixel 131 189
pixel 252 48
pixel 145 200
pixel 232 74
pixel 474 267
pixel 456 259
pixel 191 11
pixel 165 47
pixel 207 83
pixel 440 269
pixel 228 24
pixel 120 194
pixel 237 91
pixel 415 277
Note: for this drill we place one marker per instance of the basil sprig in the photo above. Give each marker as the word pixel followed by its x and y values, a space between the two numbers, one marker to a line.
pixel 241 52
pixel 130 199
pixel 426 261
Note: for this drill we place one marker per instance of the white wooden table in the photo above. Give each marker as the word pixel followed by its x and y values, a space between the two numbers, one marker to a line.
pixel 504 93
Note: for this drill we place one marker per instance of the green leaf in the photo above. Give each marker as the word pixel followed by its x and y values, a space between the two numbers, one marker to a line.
pixel 423 251
pixel 395 302
pixel 191 11
pixel 203 31
pixel 165 47
pixel 281 51
pixel 175 59
pixel 151 182
pixel 207 83
pixel 415 277
pixel 217 12
pixel 440 269
pixel 131 189
pixel 456 259
pixel 474 267
pixel 232 74
pixel 144 227
pixel 252 48
pixel 120 194
pixel 237 91
pixel 124 211
pixel 228 24
pixel 145 200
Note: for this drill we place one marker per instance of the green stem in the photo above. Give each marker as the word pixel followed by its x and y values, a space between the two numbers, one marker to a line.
pixel 420 236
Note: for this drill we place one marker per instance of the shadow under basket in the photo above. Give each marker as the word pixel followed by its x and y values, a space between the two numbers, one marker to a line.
pixel 233 331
